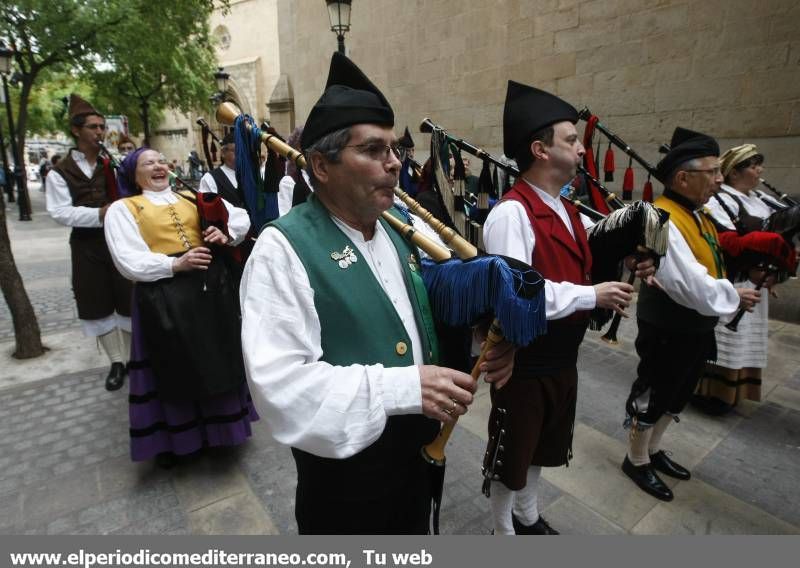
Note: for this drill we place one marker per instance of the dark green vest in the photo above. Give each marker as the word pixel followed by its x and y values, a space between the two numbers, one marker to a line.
pixel 359 323
pixel 360 326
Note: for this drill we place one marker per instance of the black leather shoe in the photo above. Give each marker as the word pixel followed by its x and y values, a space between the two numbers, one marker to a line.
pixel 645 477
pixel 662 463
pixel 540 527
pixel 116 377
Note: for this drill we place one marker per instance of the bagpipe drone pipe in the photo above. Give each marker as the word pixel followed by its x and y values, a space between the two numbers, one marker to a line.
pixel 461 290
pixel 638 229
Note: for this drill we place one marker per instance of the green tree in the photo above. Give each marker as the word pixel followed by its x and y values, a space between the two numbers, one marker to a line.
pixel 100 39
pixel 161 57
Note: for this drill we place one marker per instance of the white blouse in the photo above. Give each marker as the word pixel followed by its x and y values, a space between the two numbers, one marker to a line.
pixel 133 258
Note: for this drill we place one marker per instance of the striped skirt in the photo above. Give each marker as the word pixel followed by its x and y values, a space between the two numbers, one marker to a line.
pixel 180 427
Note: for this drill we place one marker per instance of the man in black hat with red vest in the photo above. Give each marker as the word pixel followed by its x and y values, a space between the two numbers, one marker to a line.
pixel 677 315
pixel 337 333
pixel 79 190
pixel 535 225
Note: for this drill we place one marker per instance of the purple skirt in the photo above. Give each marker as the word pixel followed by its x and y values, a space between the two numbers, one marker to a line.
pixel 158 426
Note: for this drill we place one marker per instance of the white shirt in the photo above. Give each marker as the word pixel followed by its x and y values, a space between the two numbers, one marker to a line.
pixel 330 411
pixel 285 194
pixel 59 201
pixel 753 205
pixel 133 258
pixel 208 185
pixel 508 232
pixel 688 282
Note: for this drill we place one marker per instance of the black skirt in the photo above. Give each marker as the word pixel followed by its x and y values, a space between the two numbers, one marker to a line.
pixel 192 328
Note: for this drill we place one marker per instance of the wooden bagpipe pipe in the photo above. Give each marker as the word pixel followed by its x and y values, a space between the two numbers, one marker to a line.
pixel 638 229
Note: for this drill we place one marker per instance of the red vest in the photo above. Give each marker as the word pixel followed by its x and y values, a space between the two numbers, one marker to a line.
pixel 557 256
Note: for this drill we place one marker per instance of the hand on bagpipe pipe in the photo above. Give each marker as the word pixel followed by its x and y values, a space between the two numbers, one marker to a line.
pixel 462 291
pixel 638 230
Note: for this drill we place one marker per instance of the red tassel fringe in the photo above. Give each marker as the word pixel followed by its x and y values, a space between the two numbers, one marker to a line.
pixel 627 184
pixel 647 192
pixel 608 164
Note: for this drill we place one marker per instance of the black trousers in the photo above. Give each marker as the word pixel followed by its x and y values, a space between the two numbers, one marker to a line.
pixel 338 500
pixel 670 365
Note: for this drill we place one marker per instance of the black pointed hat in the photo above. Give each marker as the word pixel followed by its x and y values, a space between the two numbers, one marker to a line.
pixel 685 145
pixel 406 141
pixel 527 111
pixel 349 98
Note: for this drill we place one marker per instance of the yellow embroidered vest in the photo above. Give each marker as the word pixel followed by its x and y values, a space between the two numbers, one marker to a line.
pixel 703 240
pixel 169 229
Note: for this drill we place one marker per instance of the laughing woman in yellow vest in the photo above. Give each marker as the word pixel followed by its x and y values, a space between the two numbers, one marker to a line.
pixel 187 383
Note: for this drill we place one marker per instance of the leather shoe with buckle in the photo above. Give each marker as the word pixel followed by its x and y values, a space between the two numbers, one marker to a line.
pixel 645 477
pixel 540 527
pixel 662 463
pixel 116 377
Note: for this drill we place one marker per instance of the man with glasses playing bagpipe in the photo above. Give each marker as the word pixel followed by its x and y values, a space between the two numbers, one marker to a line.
pixel 337 329
pixel 677 314
pixel 535 225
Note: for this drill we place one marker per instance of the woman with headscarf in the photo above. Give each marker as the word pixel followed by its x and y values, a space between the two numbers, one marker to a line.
pixel 187 381
pixel 741 354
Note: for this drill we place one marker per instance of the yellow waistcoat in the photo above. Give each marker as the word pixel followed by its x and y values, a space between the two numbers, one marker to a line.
pixel 702 238
pixel 173 228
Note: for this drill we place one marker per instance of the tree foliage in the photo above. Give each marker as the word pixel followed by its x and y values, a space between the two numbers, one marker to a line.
pixel 131 54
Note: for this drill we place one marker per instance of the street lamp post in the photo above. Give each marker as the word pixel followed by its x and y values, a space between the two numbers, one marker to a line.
pixel 339 14
pixel 221 79
pixel 22 191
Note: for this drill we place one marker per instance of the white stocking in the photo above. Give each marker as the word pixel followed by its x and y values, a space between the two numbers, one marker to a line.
pixel 526 500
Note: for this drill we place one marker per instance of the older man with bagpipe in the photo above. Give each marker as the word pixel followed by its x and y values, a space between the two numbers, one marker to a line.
pixel 338 333
pixel 677 315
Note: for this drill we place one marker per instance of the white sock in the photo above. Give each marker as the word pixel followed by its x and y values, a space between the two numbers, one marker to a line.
pixel 110 343
pixel 125 344
pixel 526 500
pixel 638 442
pixel 658 432
pixel 501 499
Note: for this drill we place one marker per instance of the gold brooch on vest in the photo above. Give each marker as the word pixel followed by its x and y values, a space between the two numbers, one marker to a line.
pixel 344 258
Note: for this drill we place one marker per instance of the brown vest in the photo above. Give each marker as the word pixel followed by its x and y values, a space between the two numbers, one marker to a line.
pixel 85 192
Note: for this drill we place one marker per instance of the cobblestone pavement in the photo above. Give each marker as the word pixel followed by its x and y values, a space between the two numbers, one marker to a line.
pixel 64 465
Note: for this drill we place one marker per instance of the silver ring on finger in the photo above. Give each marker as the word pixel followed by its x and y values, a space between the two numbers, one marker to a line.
pixel 453 408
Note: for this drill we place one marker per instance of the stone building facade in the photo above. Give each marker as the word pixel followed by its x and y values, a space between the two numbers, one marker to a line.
pixel 730 68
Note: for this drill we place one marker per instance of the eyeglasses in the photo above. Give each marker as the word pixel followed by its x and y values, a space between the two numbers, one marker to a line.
pixel 95 126
pixel 713 171
pixel 378 152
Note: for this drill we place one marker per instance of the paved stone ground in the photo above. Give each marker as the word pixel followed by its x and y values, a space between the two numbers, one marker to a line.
pixel 64 465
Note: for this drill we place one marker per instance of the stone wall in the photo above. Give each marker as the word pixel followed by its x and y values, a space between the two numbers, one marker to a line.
pixel 730 68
